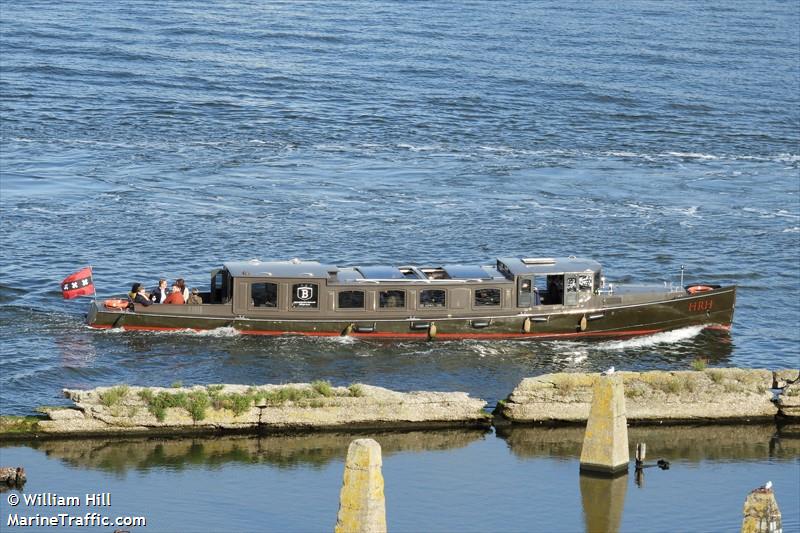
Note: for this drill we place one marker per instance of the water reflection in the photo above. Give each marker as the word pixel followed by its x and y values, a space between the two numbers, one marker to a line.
pixel 281 451
pixel 603 500
pixel 686 443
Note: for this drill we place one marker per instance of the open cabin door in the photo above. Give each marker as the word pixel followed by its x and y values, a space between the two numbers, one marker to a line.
pixel 570 289
pixel 220 286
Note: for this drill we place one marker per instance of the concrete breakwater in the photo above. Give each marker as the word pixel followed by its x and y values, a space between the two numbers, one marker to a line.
pixel 714 395
pixel 711 395
pixel 206 409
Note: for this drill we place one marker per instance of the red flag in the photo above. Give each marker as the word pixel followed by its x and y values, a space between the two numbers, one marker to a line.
pixel 78 284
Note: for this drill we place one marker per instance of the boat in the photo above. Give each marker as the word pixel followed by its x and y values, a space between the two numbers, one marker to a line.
pixel 513 298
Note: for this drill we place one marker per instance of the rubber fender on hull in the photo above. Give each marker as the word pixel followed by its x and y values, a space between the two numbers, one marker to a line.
pixel 432 331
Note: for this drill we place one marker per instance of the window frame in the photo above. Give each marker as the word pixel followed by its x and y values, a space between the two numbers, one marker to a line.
pixel 498 305
pixel 363 299
pixel 422 306
pixel 251 301
pixel 380 308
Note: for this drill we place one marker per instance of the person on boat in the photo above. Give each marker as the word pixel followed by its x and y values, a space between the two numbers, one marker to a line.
pixel 160 293
pixel 184 289
pixel 176 296
pixel 138 295
pixel 195 298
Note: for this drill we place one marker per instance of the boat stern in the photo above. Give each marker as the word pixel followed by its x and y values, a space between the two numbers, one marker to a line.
pixel 91 316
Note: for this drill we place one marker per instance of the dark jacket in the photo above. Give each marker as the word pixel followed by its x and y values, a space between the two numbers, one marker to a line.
pixel 158 295
pixel 141 299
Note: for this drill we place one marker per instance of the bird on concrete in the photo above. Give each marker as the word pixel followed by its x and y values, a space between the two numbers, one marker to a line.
pixel 607 372
pixel 768 485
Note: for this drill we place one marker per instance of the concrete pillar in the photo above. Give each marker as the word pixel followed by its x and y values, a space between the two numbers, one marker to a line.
pixel 761 513
pixel 605 443
pixel 362 508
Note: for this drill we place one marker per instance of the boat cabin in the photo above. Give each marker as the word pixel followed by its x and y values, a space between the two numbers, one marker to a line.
pixel 308 287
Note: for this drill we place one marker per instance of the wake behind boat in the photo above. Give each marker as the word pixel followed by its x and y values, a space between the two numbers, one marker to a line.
pixel 514 298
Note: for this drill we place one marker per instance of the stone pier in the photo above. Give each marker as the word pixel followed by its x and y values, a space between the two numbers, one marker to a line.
pixel 761 512
pixel 362 507
pixel 605 442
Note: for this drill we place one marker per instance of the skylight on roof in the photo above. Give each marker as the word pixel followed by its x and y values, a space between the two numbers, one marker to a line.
pixel 380 272
pixel 466 272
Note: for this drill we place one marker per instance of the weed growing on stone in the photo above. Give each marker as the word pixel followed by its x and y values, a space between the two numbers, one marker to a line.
pixel 18 424
pixel 356 390
pixel 323 388
pixel 634 390
pixel 699 364
pixel 114 395
pixel 238 403
pixel 667 383
pixel 733 386
pixel 177 384
pixel 196 403
pixel 159 403
pixel 715 375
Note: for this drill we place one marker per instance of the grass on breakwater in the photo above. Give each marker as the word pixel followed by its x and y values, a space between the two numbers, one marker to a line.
pixel 197 402
pixel 18 424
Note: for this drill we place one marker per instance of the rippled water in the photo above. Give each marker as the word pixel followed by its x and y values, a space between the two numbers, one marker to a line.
pixel 154 140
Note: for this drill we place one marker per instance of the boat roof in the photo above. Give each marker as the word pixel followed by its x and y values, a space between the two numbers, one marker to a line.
pixel 506 267
pixel 546 265
pixel 294 268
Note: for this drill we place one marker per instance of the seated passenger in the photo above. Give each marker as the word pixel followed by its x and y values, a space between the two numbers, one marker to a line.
pixel 184 289
pixel 160 293
pixel 195 298
pixel 138 295
pixel 175 297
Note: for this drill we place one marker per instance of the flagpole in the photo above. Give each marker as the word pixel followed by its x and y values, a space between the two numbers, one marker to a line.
pixel 94 285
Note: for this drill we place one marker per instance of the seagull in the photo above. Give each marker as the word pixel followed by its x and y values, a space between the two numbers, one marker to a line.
pixel 768 485
pixel 608 372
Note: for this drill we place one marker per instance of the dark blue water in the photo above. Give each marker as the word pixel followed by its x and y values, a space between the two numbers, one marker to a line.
pixel 152 140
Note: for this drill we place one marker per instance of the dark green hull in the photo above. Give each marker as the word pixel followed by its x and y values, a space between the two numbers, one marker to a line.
pixel 602 316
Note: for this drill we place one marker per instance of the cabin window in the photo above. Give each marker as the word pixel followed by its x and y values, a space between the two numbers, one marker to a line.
pixel 264 294
pixel 351 300
pixel 432 298
pixel 392 299
pixel 585 282
pixel 487 297
pixel 304 295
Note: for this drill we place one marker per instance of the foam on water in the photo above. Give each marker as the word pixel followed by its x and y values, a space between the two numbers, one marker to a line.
pixel 226 331
pixel 665 337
